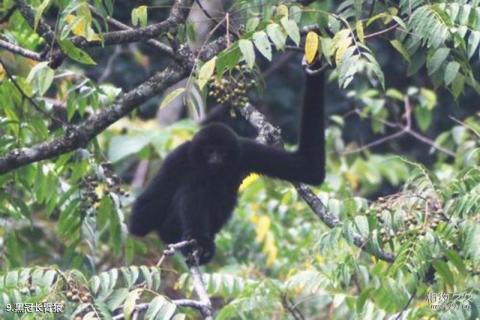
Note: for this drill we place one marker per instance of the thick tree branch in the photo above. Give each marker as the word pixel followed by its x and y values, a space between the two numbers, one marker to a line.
pixel 199 287
pixel 81 134
pixel 178 14
pixel 269 134
pixel 19 50
pixel 120 25
pixel 43 29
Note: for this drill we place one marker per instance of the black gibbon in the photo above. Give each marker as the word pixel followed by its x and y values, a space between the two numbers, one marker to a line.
pixel 195 191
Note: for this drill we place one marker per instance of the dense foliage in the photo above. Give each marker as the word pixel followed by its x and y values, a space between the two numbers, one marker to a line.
pixel 78 142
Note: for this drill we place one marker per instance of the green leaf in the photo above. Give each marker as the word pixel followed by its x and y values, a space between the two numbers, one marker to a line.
pixel 400 22
pixel 327 48
pixel 227 59
pixel 260 39
pixel 444 272
pixel 39 12
pixel 129 305
pixel 292 29
pixel 122 146
pixel 458 85
pixel 171 96
pixel 472 242
pixel 41 77
pixel 401 49
pixel 435 61
pixel 206 72
pixel 394 94
pixel 296 13
pixel 277 35
pixel 423 117
pixel 428 98
pixel 451 72
pixel 473 42
pixel 246 47
pixel 75 53
pixel 360 31
pixel 160 308
pixel 252 24
pixel 140 14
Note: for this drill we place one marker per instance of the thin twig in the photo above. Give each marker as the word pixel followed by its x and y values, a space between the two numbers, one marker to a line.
pixel 172 248
pixel 205 12
pixel 465 125
pixel 178 14
pixel 430 142
pixel 403 130
pixel 399 316
pixel 108 68
pixel 378 33
pixel 375 143
pixel 120 25
pixel 292 308
pixel 28 98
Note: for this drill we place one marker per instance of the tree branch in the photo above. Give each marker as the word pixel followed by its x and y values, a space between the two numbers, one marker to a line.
pixel 404 129
pixel 178 14
pixel 81 134
pixel 269 134
pixel 154 43
pixel 43 29
pixel 19 50
pixel 199 286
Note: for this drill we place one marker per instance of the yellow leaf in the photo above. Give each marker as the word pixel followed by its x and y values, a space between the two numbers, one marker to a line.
pixel 270 249
pixel 342 47
pixel 80 28
pixel 282 10
pixel 171 96
pixel 311 46
pixel 77 25
pixel 263 226
pixel 360 31
pixel 248 181
pixel 206 72
pixel 352 179
pixel 100 190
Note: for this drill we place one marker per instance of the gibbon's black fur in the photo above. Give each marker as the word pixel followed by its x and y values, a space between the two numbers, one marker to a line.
pixel 195 191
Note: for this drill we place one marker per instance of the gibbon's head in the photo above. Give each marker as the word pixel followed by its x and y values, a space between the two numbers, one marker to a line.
pixel 215 146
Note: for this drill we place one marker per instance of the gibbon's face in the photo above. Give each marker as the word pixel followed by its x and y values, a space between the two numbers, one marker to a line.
pixel 214 155
pixel 215 147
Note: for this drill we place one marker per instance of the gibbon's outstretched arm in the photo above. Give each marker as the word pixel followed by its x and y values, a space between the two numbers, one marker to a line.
pixel 307 164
